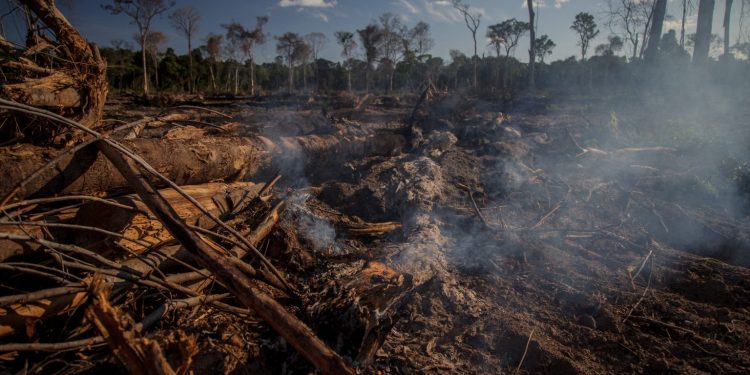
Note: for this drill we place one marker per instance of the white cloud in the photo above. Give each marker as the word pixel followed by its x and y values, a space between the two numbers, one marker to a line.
pixel 442 10
pixel 543 3
pixel 307 3
pixel 676 23
pixel 322 16
pixel 409 6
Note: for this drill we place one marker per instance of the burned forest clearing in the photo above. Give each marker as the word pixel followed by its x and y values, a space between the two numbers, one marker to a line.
pixel 579 225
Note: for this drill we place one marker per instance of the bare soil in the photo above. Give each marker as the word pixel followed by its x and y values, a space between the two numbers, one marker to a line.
pixel 534 239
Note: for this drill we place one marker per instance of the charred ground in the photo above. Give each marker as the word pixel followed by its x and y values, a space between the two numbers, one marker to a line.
pixel 542 236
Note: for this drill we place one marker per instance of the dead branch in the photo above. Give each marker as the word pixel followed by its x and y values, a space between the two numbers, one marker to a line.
pixel 287 325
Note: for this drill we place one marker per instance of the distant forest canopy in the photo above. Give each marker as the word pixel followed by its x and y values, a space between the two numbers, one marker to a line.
pixel 386 55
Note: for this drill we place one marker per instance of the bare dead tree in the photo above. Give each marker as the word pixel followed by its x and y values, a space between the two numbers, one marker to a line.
pixel 287 46
pixel 393 45
pixel 141 13
pixel 346 40
pixel 532 44
pixel 185 20
pixel 213 50
pixel 472 23
pixel 154 40
pixel 316 41
pixel 687 8
pixel 628 18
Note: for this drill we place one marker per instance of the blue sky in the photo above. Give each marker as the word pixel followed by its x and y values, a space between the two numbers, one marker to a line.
pixel 328 16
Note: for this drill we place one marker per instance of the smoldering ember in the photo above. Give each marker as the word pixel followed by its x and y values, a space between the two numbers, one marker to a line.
pixel 396 187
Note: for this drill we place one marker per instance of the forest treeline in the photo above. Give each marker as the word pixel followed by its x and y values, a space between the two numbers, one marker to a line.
pixel 387 55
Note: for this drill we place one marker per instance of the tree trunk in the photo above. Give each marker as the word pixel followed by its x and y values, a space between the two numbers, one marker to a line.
pixel 291 78
pixel 367 78
pixel 156 72
pixel 703 32
pixel 143 64
pixel 185 161
pixel 304 76
pixel 252 77
pixel 727 21
pixel 476 58
pixel 390 79
pixel 191 82
pixel 349 79
pixel 211 73
pixel 237 79
pixel 657 21
pixel 646 30
pixel 532 44
pixel 682 26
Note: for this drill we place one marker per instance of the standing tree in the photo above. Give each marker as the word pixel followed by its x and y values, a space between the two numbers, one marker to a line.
pixel 585 26
pixel 185 21
pixel 141 12
pixel 472 23
pixel 316 41
pixel 532 44
pixel 155 40
pixel 346 40
pixel 630 16
pixel 370 37
pixel 241 43
pixel 687 8
pixel 703 33
pixel 506 35
pixel 614 44
pixel 458 59
pixel 544 47
pixel 303 54
pixel 213 50
pixel 727 19
pixel 393 44
pixel 421 39
pixel 657 22
pixel 288 46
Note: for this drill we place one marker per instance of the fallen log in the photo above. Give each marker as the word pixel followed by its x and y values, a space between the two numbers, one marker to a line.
pixel 295 332
pixel 219 198
pixel 130 217
pixel 186 162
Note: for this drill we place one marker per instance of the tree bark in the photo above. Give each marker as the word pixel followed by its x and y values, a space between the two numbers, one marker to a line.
pixel 657 22
pixel 476 59
pixel 727 21
pixel 682 26
pixel 532 45
pixel 191 83
pixel 349 79
pixel 703 32
pixel 187 162
pixel 143 64
pixel 252 77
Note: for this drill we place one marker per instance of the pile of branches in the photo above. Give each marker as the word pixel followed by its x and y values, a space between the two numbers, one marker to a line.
pixel 85 256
